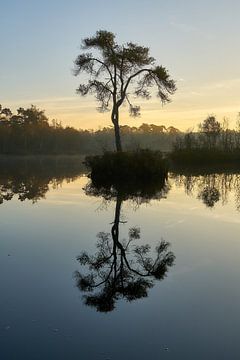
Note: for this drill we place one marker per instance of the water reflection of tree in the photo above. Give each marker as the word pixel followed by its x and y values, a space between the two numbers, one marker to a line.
pixel 135 192
pixel 27 189
pixel 209 196
pixel 210 188
pixel 31 180
pixel 120 269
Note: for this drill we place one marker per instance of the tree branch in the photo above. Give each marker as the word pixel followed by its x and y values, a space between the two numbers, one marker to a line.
pixel 106 66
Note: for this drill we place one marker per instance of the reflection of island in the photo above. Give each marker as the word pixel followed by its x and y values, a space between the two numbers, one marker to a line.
pixel 120 269
pixel 211 187
pixel 30 179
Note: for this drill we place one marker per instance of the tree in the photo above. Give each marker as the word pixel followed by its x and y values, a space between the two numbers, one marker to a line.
pixel 5 113
pixel 118 71
pixel 210 125
pixel 211 128
pixel 31 116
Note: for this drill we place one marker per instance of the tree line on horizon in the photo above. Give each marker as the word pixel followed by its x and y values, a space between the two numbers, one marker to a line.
pixel 29 131
pixel 214 141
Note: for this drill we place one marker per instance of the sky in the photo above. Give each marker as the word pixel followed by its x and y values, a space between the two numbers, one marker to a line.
pixel 197 41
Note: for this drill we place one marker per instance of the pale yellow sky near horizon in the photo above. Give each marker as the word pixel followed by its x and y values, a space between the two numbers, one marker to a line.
pixel 189 106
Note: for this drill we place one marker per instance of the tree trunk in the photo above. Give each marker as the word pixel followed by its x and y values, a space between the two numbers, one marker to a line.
pixel 115 117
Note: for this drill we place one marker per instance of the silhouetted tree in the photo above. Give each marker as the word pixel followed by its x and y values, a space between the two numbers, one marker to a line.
pixel 5 113
pixel 210 125
pixel 211 128
pixel 114 73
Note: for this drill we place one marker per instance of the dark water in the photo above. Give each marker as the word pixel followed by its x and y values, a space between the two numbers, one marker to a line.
pixel 162 269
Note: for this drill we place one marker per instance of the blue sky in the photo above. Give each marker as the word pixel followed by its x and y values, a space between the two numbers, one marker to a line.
pixel 198 41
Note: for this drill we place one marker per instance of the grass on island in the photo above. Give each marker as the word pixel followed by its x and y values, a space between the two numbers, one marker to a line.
pixel 127 167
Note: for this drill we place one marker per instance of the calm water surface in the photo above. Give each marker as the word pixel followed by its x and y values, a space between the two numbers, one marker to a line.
pixel 186 308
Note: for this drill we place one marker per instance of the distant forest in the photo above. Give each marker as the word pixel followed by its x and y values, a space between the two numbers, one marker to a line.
pixel 29 131
pixel 214 142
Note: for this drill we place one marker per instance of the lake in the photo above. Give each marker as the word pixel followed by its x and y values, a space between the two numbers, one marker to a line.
pixel 87 275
